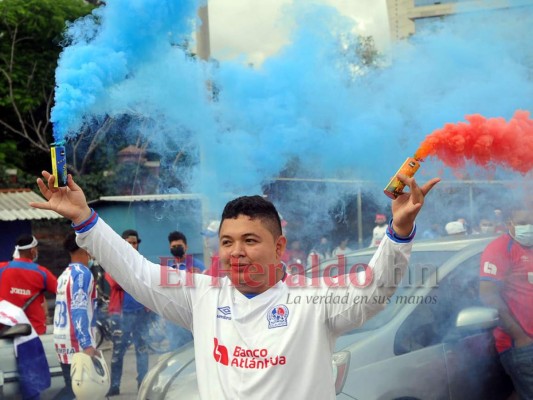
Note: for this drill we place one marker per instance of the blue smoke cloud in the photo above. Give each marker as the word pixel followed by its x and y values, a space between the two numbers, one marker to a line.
pixel 301 104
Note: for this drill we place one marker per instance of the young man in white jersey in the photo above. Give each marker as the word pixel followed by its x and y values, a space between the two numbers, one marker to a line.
pixel 252 328
pixel 74 312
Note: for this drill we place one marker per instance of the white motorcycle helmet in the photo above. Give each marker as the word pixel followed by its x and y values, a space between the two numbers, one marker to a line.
pixel 90 377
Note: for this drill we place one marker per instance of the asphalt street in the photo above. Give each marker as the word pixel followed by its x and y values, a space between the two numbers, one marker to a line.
pixel 128 384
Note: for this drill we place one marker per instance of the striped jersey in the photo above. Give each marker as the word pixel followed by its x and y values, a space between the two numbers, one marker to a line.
pixel 75 312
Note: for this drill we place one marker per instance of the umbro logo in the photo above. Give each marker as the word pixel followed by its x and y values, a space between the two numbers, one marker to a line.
pixel 224 312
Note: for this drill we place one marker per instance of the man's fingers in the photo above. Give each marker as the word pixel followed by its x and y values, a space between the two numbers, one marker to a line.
pixel 42 206
pixel 46 177
pixel 43 188
pixel 71 184
pixel 50 179
pixel 429 185
pixel 45 192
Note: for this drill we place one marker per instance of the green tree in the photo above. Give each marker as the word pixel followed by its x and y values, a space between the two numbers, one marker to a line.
pixel 30 34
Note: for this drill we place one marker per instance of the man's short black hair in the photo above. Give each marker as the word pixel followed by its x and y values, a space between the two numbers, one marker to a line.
pixel 69 244
pixel 255 207
pixel 24 239
pixel 176 235
pixel 130 232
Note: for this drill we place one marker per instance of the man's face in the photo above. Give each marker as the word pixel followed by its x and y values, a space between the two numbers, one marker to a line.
pixel 250 254
pixel 520 217
pixel 133 241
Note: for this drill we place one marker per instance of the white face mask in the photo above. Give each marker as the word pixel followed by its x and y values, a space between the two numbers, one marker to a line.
pixel 523 234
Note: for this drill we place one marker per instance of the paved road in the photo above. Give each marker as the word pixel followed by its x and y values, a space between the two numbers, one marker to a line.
pixel 128 385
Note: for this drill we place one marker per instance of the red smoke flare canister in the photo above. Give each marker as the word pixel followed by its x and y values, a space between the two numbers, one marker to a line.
pixel 395 186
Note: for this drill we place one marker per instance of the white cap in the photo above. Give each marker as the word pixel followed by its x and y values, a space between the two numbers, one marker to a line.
pixel 454 228
pixel 212 229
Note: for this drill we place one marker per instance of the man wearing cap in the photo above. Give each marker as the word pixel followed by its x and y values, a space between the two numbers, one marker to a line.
pixel 379 230
pixel 455 228
pixel 23 282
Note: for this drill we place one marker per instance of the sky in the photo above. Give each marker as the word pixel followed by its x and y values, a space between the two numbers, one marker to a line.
pixel 254 30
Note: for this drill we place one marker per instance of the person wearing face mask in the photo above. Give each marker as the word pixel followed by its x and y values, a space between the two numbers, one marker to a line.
pixel 75 312
pixel 506 284
pixel 129 319
pixel 23 282
pixel 178 248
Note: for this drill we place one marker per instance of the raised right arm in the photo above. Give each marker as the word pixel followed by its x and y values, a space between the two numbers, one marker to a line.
pixel 134 273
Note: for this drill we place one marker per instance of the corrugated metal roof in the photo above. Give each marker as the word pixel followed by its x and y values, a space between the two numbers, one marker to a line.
pixel 150 197
pixel 14 206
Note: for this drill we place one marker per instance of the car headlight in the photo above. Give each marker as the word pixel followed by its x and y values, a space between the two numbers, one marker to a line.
pixel 340 364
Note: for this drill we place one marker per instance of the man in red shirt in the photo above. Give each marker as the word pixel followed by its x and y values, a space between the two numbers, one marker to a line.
pixel 507 284
pixel 22 280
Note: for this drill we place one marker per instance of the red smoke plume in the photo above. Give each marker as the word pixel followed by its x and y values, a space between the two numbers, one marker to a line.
pixel 485 141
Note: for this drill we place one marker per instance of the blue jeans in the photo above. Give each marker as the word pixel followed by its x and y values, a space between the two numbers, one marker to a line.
pixel 128 328
pixel 518 363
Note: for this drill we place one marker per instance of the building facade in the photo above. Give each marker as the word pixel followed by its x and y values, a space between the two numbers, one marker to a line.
pixel 406 16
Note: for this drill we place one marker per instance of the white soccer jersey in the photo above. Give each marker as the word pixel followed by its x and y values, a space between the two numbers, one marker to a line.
pixel 74 312
pixel 277 345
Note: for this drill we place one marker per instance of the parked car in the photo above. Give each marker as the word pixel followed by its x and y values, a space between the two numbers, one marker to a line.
pixel 433 340
pixel 9 377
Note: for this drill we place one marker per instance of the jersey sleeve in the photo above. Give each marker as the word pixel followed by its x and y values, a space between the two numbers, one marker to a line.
pixel 161 289
pixel 494 260
pixel 51 281
pixel 360 301
pixel 79 306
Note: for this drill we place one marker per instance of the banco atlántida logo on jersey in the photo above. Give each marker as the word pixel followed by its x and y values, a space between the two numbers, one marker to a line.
pixel 241 357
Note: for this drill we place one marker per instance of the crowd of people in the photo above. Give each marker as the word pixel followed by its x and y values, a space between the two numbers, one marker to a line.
pixel 78 292
pixel 486 225
pixel 249 233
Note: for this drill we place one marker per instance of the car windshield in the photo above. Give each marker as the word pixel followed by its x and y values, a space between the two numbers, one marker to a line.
pixel 422 268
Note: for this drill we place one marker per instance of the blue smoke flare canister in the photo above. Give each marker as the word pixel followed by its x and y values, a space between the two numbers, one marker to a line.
pixel 59 163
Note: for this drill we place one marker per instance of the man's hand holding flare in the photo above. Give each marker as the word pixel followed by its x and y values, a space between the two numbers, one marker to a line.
pixel 406 207
pixel 68 201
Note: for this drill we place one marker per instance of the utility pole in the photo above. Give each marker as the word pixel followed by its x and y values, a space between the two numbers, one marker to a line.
pixel 203 43
pixel 203 51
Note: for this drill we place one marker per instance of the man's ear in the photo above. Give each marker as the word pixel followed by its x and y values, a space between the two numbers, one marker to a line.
pixel 281 244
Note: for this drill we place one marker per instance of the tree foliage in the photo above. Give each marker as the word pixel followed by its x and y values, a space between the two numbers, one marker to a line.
pixel 30 36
